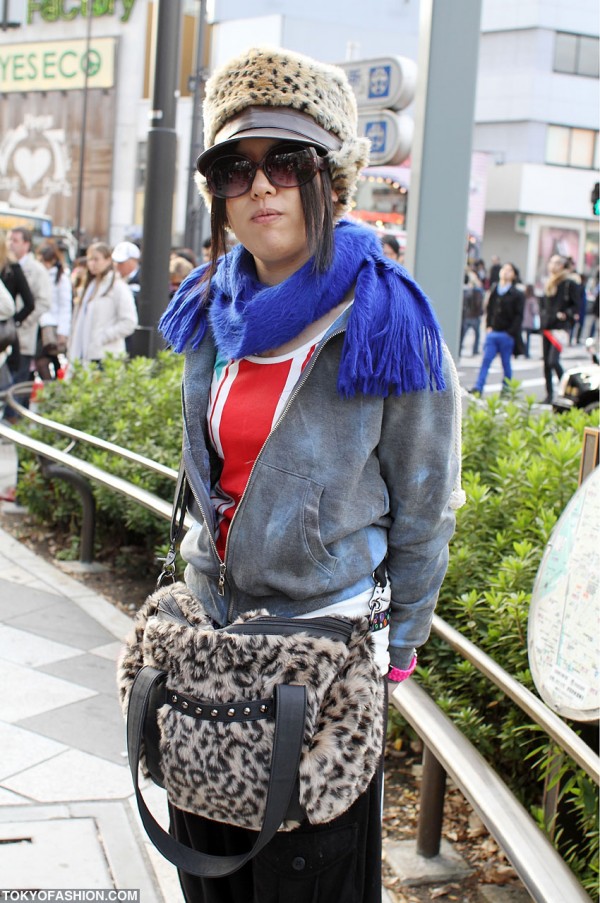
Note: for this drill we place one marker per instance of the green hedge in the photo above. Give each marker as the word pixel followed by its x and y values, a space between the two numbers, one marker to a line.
pixel 520 468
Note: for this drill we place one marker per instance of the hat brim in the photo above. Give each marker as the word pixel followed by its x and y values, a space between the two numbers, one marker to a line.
pixel 268 122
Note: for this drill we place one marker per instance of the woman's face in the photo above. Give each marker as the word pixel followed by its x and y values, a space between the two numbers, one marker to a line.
pixel 269 221
pixel 97 263
pixel 507 274
pixel 555 264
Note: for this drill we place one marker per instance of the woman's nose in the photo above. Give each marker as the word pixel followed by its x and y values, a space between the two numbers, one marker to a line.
pixel 261 185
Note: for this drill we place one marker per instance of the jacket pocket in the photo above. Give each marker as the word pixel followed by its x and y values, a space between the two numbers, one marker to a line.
pixel 275 543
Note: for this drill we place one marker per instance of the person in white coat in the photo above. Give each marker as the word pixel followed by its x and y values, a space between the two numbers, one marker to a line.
pixel 20 242
pixel 106 314
pixel 59 315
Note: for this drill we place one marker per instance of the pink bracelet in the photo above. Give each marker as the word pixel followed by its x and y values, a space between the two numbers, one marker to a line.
pixel 396 675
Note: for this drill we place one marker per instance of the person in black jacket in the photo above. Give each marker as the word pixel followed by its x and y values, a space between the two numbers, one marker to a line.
pixel 558 311
pixel 503 324
pixel 14 279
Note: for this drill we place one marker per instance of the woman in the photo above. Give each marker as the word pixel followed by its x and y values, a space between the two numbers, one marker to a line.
pixel 14 279
pixel 106 314
pixel 320 424
pixel 559 309
pixel 59 315
pixel 504 315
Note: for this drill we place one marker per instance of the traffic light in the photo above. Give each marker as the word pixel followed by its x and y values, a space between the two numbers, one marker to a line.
pixel 595 198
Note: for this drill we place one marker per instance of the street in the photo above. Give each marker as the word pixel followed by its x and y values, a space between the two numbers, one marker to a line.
pixel 529 371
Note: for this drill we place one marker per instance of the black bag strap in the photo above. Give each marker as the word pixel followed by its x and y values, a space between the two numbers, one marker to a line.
pixel 178 512
pixel 290 716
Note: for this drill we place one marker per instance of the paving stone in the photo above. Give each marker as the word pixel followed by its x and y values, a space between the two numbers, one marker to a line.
pixel 21 749
pixel 73 775
pixel 17 598
pixel 27 692
pixel 52 854
pixel 94 725
pixel 61 621
pixel 90 670
pixel 25 648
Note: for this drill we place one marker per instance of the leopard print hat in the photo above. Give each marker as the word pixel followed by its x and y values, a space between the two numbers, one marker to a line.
pixel 269 92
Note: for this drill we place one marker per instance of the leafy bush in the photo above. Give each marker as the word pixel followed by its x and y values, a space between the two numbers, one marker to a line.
pixel 136 405
pixel 520 468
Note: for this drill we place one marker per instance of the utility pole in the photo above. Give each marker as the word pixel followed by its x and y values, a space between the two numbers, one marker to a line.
pixel 441 159
pixel 195 213
pixel 160 173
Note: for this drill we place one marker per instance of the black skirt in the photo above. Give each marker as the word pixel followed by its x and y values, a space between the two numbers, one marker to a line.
pixel 312 864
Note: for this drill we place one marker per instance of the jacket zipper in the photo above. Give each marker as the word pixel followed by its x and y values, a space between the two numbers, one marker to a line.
pixel 222 561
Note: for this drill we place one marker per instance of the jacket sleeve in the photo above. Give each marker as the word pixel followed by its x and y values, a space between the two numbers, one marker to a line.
pixel 125 320
pixel 419 454
pixel 22 289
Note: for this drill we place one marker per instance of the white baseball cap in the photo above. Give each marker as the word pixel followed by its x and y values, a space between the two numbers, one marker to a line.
pixel 125 250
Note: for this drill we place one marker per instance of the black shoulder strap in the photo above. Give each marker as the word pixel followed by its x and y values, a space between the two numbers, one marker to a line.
pixel 290 715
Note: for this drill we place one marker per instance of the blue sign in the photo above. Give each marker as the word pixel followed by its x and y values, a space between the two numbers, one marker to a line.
pixel 380 78
pixel 376 131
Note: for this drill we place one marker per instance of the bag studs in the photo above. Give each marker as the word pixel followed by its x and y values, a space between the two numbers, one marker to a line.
pixel 247 710
pixel 184 705
pixel 174 698
pixel 198 710
pixel 263 709
pixel 231 712
pixel 214 713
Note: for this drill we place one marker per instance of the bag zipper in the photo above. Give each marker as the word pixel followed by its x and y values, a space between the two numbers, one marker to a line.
pixel 296 390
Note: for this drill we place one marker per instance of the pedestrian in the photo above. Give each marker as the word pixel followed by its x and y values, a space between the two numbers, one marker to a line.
pixel 319 410
pixel 504 314
pixel 472 309
pixel 558 310
pixel 106 314
pixel 390 247
pixel 494 274
pixel 126 258
pixel 21 246
pixel 47 362
pixel 179 268
pixel 531 317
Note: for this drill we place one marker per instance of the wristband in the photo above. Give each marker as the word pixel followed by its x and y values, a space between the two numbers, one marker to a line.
pixel 396 675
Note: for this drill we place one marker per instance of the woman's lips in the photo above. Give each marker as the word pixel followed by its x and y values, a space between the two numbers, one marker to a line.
pixel 266 216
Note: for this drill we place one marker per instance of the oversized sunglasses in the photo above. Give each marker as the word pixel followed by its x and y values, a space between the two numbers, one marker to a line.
pixel 232 175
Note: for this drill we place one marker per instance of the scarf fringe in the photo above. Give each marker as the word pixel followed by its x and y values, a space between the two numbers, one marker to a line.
pixel 393 342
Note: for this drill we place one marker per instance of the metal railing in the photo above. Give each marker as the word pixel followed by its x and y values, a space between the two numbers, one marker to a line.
pixel 447 751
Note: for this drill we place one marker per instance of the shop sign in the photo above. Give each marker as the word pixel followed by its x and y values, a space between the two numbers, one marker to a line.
pixel 57 65
pixel 66 10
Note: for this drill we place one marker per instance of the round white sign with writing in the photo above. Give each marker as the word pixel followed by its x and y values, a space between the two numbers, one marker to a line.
pixel 563 634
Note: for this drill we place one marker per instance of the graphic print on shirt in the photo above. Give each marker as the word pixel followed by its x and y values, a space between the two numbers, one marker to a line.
pixel 247 397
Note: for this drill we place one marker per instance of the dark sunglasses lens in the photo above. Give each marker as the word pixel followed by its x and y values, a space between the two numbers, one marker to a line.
pixel 290 169
pixel 230 177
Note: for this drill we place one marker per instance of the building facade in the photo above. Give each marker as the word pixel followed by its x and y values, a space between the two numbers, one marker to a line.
pixel 76 89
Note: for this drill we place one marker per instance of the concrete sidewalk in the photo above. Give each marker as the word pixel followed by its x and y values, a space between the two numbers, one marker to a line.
pixel 67 814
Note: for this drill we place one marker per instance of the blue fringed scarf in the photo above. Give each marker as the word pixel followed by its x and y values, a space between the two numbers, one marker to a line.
pixel 393 342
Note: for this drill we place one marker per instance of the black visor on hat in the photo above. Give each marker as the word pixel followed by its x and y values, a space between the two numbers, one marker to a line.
pixel 269 122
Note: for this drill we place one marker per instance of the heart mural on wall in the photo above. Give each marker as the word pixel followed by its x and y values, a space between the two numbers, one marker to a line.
pixel 31 165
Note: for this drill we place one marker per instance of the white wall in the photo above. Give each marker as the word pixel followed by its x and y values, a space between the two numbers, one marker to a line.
pixel 575 16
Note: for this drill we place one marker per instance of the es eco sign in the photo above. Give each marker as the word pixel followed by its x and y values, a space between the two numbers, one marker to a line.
pixel 57 65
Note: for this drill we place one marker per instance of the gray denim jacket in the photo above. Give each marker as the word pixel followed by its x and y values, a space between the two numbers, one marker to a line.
pixel 338 485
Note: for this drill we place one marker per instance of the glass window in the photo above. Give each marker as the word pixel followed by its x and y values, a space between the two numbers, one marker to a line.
pixel 557 145
pixel 582 148
pixel 589 57
pixel 565 52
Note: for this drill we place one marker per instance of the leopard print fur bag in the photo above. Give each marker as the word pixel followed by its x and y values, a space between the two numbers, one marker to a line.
pixel 220 769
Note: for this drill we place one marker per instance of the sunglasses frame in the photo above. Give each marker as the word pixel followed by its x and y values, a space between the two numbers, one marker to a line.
pixel 319 163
